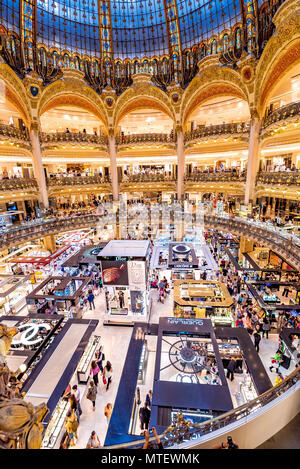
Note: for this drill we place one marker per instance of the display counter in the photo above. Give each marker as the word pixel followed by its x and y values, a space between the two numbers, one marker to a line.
pixel 203 299
pixel 13 293
pixel 84 365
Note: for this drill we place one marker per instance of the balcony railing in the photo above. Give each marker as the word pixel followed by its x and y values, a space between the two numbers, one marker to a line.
pixel 176 436
pixel 288 178
pixel 73 137
pixel 282 113
pixel 224 176
pixel 144 138
pixel 147 178
pixel 215 130
pixel 76 180
pixel 17 184
pixel 11 131
pixel 283 243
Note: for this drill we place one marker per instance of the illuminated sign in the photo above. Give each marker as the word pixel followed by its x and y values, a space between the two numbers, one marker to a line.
pixel 30 336
pixel 185 322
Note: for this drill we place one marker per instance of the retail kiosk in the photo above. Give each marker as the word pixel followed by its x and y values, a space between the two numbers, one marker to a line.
pixel 13 292
pixel 203 299
pixel 124 267
pixel 58 294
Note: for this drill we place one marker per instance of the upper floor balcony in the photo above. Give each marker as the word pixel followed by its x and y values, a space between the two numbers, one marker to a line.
pixel 288 178
pixel 145 139
pixel 74 138
pixel 15 184
pixel 222 176
pixel 77 180
pixel 13 134
pixel 235 130
pixel 156 177
pixel 284 113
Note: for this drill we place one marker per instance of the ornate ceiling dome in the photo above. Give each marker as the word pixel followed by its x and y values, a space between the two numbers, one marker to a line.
pixel 122 28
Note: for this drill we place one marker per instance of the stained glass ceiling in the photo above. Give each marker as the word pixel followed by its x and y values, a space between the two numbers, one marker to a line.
pixel 132 28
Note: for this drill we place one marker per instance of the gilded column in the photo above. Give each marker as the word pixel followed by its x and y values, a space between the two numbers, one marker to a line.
pixel 253 158
pixel 113 164
pixel 38 168
pixel 180 162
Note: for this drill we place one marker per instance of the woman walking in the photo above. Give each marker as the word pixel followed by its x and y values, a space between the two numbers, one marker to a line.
pixel 92 393
pixel 107 375
pixel 108 411
pixel 94 372
pixel 93 441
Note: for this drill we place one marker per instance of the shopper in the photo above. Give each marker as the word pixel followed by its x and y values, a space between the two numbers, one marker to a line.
pixel 76 393
pixel 91 298
pixel 121 299
pixel 266 327
pixel 100 358
pixel 108 411
pixel 93 441
pixel 71 426
pixel 107 375
pixel 149 399
pixel 230 369
pixel 230 444
pixel 144 415
pixel 278 379
pixel 92 393
pixel 94 370
pixel 276 361
pixel 150 444
pixel 257 339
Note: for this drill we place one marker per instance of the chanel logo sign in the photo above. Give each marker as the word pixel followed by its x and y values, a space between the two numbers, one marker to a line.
pixel 30 336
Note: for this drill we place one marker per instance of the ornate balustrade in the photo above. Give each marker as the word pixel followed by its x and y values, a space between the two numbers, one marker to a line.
pixel 241 128
pixel 144 138
pixel 73 137
pixel 183 432
pixel 17 184
pixel 283 113
pixel 10 131
pixel 257 231
pixel 77 180
pixel 226 176
pixel 281 177
pixel 136 178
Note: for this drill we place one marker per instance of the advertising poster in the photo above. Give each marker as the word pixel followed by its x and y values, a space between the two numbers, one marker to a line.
pixel 114 272
pixel 136 275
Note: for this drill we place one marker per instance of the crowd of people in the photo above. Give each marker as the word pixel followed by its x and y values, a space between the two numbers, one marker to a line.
pixel 73 396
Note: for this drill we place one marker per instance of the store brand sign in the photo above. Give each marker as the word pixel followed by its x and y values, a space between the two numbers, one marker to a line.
pixel 185 322
pixel 30 336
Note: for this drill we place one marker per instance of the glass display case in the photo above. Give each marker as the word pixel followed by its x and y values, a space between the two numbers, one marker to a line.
pixel 143 364
pixel 247 390
pixel 55 425
pixel 84 365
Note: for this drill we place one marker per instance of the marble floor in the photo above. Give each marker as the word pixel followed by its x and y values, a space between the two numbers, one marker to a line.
pixel 115 341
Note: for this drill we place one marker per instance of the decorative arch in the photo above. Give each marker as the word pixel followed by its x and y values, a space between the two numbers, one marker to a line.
pixel 281 53
pixel 141 97
pixel 212 81
pixel 16 92
pixel 72 92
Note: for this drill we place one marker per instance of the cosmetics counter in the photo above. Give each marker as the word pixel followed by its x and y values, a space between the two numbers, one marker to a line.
pixel 203 299
pixel 13 293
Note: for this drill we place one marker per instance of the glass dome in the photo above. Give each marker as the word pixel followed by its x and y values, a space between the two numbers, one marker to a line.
pixel 123 28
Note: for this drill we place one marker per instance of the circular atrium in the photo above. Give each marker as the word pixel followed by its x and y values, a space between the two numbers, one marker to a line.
pixel 150 226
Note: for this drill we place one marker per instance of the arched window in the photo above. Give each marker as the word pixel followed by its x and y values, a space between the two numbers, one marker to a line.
pixel 250 35
pixel 202 50
pixel 77 62
pixel 42 56
pixel 66 61
pixel 214 47
pixel 225 43
pixel 55 59
pixel 238 42
pixel 29 55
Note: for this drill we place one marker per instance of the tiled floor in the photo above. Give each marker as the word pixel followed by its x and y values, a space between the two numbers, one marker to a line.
pixel 115 340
